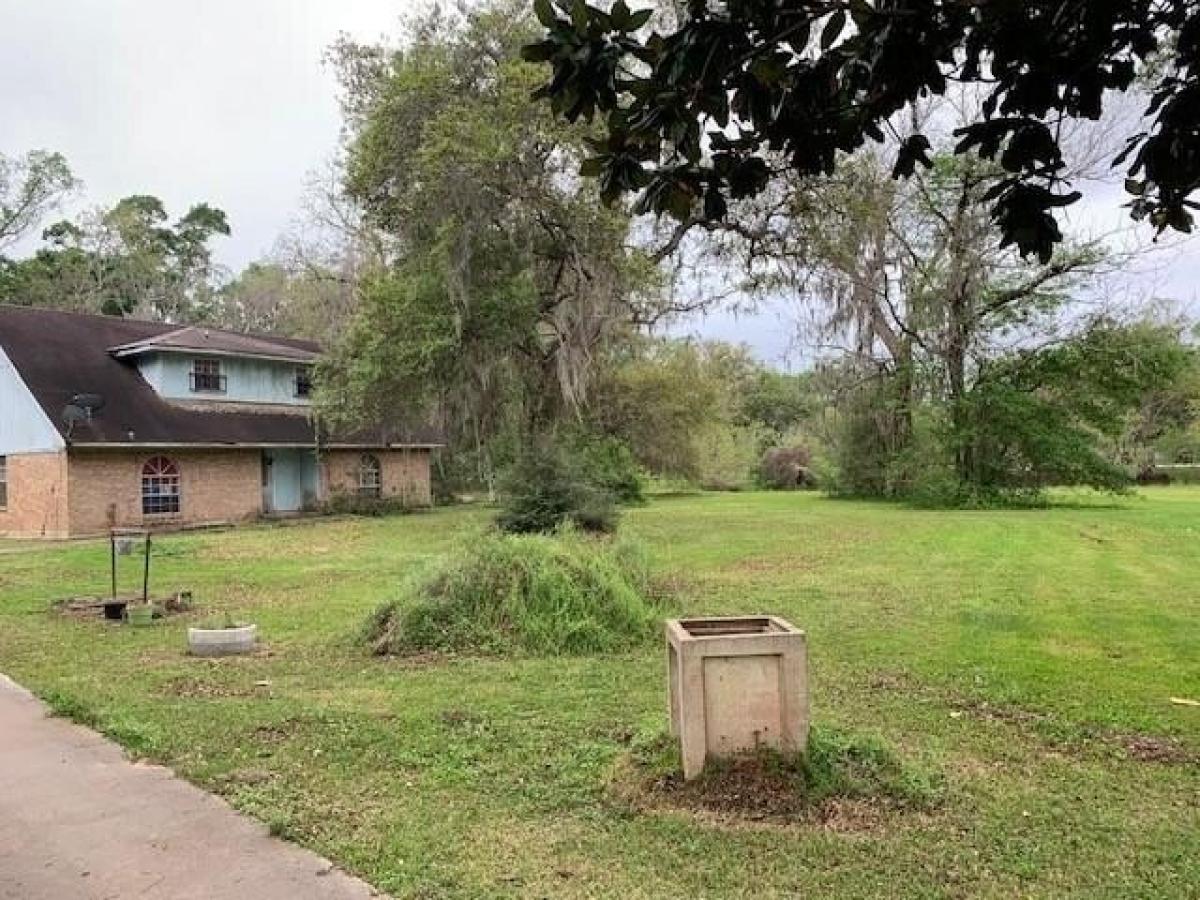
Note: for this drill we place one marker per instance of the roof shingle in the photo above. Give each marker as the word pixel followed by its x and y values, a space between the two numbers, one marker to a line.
pixel 61 354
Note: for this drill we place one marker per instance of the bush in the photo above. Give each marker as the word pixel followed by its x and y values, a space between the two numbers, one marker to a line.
pixel 785 468
pixel 607 463
pixel 547 488
pixel 1181 473
pixel 871 439
pixel 539 594
pixel 727 455
pixel 344 503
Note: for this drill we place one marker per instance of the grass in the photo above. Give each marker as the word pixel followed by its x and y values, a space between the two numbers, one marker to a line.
pixel 1020 660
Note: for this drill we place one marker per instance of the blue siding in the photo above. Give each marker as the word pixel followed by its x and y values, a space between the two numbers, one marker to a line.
pixel 24 427
pixel 246 380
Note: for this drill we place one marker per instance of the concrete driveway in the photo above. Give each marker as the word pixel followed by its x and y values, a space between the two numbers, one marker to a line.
pixel 79 820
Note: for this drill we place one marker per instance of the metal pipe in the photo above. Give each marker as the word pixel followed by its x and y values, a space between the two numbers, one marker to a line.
pixel 146 573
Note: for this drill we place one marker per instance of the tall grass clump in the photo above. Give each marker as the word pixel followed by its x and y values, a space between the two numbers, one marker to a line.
pixel 536 594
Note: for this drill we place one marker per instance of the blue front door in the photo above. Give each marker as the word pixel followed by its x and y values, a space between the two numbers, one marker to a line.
pixel 289 480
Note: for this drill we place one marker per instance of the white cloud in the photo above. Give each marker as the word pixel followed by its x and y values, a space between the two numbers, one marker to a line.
pixel 222 101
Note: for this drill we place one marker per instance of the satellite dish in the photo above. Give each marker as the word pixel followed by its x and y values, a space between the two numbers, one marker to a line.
pixel 73 414
pixel 90 403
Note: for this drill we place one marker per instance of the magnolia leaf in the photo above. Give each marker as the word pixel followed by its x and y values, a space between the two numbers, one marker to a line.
pixel 544 12
pixel 833 29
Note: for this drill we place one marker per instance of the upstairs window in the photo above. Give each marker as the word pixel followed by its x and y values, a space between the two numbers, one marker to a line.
pixel 206 376
pixel 3 482
pixel 303 381
pixel 160 486
pixel 370 476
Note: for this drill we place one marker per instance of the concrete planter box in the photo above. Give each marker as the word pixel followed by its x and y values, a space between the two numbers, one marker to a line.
pixel 139 614
pixel 736 684
pixel 222 641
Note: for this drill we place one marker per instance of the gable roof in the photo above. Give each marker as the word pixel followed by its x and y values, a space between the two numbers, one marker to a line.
pixel 61 354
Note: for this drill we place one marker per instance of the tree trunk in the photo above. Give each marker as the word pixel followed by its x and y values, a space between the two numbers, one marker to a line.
pixel 956 383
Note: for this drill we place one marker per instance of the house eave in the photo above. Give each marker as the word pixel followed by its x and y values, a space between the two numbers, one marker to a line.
pixel 252 445
pixel 132 351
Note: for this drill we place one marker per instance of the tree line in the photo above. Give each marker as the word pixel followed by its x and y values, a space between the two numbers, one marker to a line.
pixel 471 257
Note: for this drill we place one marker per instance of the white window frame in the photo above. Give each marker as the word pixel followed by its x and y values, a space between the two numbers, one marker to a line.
pixel 161 490
pixel 370 476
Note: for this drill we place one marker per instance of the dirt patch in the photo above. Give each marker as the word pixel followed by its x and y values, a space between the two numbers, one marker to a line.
pixel 893 681
pixel 748 793
pixel 851 816
pixel 773 565
pixel 202 689
pixel 276 732
pixel 461 718
pixel 1152 749
pixel 246 778
pixel 982 709
pixel 845 783
pixel 1146 748
pixel 1057 736
pixel 1080 740
pixel 747 787
pixel 93 607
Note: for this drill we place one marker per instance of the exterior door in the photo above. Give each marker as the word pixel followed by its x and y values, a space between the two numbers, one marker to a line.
pixel 268 482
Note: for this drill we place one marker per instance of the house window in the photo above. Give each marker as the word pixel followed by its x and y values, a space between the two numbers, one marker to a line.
pixel 206 376
pixel 160 486
pixel 370 481
pixel 303 382
pixel 3 482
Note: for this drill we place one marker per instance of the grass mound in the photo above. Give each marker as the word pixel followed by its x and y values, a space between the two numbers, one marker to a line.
pixel 843 781
pixel 537 594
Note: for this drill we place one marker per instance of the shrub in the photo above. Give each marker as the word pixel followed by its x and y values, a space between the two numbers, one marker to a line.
pixel 607 463
pixel 784 468
pixel 344 503
pixel 1182 473
pixel 727 455
pixel 442 486
pixel 871 443
pixel 547 488
pixel 538 594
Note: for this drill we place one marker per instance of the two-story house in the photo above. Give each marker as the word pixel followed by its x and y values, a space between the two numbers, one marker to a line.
pixel 109 422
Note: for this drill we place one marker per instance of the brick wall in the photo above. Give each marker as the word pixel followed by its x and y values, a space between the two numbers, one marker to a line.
pixel 53 495
pixel 405 473
pixel 37 496
pixel 105 488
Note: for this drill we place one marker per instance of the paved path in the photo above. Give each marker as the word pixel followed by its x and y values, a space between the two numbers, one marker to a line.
pixel 79 820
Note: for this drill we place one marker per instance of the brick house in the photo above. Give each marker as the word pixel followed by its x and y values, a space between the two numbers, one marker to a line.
pixel 116 422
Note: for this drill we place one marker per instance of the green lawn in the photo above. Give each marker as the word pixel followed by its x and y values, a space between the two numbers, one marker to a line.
pixel 1024 658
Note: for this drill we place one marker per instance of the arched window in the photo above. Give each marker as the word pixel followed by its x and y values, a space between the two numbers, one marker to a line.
pixel 370 478
pixel 160 486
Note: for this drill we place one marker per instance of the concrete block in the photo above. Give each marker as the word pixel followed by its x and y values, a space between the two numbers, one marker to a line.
pixel 222 641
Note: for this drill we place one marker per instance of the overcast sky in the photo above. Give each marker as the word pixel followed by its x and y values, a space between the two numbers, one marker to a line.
pixel 227 101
